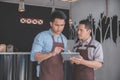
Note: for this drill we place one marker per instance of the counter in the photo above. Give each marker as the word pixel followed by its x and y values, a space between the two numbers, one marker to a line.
pixel 15 66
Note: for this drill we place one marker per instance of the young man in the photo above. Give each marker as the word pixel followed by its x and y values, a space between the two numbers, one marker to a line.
pixel 91 53
pixel 47 47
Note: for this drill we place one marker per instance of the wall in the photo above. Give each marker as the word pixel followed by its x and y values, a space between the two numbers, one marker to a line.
pixel 114 7
pixel 111 43
pixel 83 8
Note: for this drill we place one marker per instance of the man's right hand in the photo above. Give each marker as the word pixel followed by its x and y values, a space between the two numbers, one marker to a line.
pixel 57 50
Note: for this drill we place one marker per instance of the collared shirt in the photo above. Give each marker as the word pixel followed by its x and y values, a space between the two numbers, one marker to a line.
pixel 43 43
pixel 93 53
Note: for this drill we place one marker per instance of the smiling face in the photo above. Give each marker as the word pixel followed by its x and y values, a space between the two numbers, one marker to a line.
pixel 83 32
pixel 57 26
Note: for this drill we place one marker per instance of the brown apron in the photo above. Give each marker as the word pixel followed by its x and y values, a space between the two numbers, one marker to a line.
pixel 52 68
pixel 81 72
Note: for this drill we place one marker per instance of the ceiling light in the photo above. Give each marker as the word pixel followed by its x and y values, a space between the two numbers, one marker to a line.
pixel 53 5
pixel 70 0
pixel 21 7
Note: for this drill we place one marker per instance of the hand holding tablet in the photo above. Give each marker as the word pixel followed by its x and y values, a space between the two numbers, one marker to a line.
pixel 68 55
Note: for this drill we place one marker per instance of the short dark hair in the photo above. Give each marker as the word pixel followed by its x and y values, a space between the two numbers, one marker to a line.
pixel 87 23
pixel 57 14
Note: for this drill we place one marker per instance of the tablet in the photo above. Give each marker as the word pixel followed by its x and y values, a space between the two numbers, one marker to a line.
pixel 68 55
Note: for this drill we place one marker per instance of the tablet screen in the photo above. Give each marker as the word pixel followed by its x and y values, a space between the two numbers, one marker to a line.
pixel 68 55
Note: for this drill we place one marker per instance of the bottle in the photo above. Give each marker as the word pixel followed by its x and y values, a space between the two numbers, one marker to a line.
pixel 10 48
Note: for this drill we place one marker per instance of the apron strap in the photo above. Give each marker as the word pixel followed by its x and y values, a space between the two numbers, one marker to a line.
pixel 89 43
pixel 54 40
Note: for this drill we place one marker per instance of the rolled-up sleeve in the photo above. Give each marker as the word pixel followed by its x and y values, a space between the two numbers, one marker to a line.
pixel 36 46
